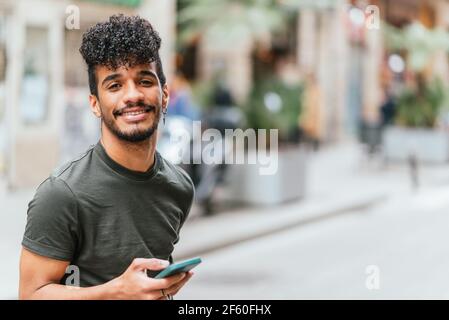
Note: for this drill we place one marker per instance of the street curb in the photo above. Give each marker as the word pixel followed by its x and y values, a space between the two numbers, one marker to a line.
pixel 220 244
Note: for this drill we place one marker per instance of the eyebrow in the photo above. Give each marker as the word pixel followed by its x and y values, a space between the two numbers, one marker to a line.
pixel 147 73
pixel 115 76
pixel 110 77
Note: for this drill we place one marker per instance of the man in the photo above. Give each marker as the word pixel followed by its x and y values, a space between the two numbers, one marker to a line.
pixel 115 213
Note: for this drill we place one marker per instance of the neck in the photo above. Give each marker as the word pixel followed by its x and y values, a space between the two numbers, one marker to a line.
pixel 136 156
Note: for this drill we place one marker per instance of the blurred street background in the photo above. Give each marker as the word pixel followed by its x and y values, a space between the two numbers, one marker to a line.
pixel 358 91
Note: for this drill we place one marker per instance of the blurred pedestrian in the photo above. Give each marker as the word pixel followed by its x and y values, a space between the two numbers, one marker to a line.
pixel 311 116
pixel 181 101
pixel 223 113
pixel 388 110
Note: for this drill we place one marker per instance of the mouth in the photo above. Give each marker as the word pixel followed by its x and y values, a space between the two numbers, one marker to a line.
pixel 134 114
pixel 133 110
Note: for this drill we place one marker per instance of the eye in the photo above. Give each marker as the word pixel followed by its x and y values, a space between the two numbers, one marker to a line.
pixel 146 83
pixel 114 86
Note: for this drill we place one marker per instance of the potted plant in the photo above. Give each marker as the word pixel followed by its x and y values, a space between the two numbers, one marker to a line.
pixel 415 133
pixel 272 105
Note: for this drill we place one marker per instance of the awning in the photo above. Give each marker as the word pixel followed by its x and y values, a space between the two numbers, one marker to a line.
pixel 126 3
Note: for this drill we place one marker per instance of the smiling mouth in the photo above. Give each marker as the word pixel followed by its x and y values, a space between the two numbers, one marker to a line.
pixel 134 111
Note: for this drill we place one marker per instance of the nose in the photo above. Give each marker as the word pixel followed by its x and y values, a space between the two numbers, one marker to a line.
pixel 132 94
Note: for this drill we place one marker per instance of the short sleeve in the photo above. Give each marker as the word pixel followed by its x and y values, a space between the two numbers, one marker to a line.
pixel 52 224
pixel 189 196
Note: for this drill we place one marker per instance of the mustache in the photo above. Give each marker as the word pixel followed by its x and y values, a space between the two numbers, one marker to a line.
pixel 146 107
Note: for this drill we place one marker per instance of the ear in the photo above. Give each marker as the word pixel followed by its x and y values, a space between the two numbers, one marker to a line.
pixel 165 97
pixel 95 105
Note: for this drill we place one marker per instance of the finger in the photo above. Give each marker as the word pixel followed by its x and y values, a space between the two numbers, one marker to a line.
pixel 157 294
pixel 152 296
pixel 183 281
pixel 167 282
pixel 173 280
pixel 150 264
pixel 176 287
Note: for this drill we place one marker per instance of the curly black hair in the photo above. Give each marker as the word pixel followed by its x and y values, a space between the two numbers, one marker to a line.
pixel 121 41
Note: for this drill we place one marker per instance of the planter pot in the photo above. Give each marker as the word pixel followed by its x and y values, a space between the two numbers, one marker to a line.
pixel 427 145
pixel 246 185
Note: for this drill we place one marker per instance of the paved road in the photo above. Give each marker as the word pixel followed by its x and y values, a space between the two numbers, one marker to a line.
pixel 12 224
pixel 406 240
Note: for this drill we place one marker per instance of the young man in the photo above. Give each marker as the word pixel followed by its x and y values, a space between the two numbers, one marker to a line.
pixel 115 213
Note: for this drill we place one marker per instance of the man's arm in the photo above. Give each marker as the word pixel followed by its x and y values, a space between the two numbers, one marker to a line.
pixel 40 276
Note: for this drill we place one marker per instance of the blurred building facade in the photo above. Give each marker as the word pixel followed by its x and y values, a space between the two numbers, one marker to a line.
pixel 44 114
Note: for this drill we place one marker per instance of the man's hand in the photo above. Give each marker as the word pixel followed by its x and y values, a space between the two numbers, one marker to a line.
pixel 40 277
pixel 173 290
pixel 135 284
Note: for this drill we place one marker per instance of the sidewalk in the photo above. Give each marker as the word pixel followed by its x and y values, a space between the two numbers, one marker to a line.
pixel 13 218
pixel 341 180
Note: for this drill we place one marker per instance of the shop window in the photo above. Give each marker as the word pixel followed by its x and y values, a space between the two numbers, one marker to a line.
pixel 34 97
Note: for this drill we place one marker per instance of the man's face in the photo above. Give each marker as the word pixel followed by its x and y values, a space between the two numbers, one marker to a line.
pixel 130 101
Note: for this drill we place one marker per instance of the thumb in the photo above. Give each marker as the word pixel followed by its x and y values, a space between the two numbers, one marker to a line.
pixel 149 264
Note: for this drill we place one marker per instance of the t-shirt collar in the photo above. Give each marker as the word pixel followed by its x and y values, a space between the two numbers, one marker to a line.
pixel 135 175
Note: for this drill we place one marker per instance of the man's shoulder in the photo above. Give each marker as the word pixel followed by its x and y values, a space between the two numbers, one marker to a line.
pixel 62 181
pixel 181 186
pixel 64 171
pixel 176 174
pixel 52 193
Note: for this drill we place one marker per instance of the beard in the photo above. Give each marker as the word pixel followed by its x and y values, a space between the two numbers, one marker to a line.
pixel 135 135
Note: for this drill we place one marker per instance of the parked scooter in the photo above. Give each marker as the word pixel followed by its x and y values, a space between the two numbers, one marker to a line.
pixel 176 143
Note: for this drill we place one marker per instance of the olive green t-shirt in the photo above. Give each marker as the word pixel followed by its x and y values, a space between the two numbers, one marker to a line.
pixel 99 215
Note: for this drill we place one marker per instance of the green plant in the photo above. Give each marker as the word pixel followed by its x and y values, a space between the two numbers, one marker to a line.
pixel 273 104
pixel 421 106
pixel 419 42
pixel 230 22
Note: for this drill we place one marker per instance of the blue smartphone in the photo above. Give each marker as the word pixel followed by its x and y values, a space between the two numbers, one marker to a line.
pixel 179 267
